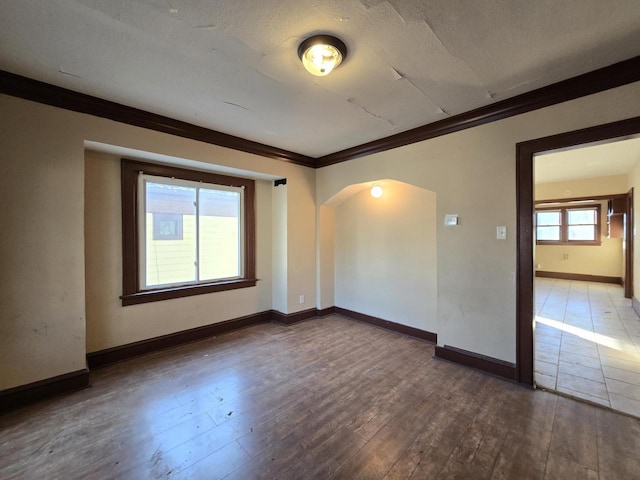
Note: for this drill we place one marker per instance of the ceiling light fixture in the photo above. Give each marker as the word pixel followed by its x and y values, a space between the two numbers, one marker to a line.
pixel 376 191
pixel 320 54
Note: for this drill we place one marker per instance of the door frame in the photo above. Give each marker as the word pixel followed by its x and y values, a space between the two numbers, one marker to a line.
pixel 525 152
pixel 628 239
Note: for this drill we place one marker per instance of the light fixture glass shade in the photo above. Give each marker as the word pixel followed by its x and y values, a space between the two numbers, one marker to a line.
pixel 376 191
pixel 321 54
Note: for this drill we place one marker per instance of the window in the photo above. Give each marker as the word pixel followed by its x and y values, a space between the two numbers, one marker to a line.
pixel 568 225
pixel 185 232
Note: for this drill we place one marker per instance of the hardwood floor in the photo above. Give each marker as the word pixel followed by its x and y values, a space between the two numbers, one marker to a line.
pixel 325 398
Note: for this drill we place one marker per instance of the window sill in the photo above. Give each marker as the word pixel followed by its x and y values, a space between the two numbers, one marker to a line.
pixel 184 291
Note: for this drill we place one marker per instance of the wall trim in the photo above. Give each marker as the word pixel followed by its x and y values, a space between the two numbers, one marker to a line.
pixel 612 76
pixel 26 394
pixel 120 353
pixel 291 318
pixel 41 92
pixel 493 366
pixel 592 197
pixel 388 325
pixel 325 311
pixel 13 398
pixel 580 277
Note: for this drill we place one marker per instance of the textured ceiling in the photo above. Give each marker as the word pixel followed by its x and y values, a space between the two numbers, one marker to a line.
pixel 612 158
pixel 232 65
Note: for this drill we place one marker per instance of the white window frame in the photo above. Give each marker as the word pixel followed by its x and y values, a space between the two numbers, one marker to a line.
pixel 143 179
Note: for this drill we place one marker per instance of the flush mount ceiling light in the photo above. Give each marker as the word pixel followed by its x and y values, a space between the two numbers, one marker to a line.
pixel 320 54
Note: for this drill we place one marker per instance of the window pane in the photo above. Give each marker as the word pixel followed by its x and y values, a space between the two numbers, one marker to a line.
pixel 548 218
pixel 170 234
pixel 548 233
pixel 219 234
pixel 581 217
pixel 582 232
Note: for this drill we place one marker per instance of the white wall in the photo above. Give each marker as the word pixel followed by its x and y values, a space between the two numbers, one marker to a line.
pixel 473 174
pixel 385 255
pixel 42 191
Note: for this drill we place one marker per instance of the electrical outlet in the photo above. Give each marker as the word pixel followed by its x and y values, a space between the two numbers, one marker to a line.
pixel 301 299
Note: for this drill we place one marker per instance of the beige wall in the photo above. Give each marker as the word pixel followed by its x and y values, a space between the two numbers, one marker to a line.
pixel 42 316
pixel 472 173
pixel 606 259
pixel 385 255
pixel 42 191
pixel 42 303
pixel 610 185
pixel 108 323
pixel 279 248
pixel 325 295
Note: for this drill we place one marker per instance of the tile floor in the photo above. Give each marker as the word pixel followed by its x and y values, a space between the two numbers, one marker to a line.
pixel 587 343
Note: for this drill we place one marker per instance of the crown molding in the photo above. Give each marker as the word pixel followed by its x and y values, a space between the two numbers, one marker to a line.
pixel 613 76
pixel 41 92
pixel 616 75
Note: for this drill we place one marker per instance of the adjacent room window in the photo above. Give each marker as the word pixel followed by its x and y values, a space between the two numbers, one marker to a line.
pixel 568 225
pixel 167 226
pixel 185 232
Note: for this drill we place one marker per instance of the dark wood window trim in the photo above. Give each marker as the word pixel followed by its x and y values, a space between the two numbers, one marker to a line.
pixel 564 225
pixel 131 293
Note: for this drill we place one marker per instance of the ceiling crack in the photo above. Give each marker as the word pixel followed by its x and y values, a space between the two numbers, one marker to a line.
pixel 64 72
pixel 236 105
pixel 364 109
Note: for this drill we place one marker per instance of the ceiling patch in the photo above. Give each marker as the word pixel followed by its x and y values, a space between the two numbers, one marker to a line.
pixel 396 74
pixel 353 101
pixel 439 109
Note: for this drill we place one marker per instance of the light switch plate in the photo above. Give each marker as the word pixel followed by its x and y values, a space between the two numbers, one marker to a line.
pixel 450 220
pixel 501 232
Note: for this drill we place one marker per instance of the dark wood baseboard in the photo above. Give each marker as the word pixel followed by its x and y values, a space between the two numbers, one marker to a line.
pixel 290 318
pixel 396 327
pixel 124 352
pixel 325 311
pixel 580 277
pixel 17 397
pixel 491 365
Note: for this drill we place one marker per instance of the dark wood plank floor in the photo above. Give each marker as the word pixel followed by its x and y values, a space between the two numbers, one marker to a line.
pixel 326 398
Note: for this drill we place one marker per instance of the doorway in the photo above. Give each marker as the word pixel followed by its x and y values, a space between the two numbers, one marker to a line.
pixel 525 152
